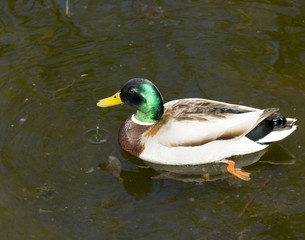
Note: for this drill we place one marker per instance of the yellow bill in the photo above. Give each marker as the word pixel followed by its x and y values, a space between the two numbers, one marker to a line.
pixel 110 101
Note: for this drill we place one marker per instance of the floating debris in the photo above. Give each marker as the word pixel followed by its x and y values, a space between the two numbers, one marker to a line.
pixel 255 195
pixel 45 211
pixel 114 167
pixel 67 7
pixel 90 170
pixel 66 87
pixel 45 191
pixel 23 120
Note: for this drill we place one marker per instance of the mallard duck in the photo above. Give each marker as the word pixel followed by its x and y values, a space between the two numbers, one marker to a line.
pixel 193 131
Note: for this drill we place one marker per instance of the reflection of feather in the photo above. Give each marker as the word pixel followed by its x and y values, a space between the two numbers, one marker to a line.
pixel 167 175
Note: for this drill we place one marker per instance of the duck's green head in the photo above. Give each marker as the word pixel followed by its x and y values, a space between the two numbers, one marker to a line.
pixel 143 95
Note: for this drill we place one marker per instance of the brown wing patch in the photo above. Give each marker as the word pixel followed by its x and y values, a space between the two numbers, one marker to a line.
pixel 156 127
pixel 201 110
pixel 193 143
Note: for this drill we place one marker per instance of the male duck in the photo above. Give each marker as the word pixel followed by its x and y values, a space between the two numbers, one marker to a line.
pixel 193 131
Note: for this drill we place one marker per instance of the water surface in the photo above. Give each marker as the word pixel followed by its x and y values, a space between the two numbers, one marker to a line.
pixel 55 67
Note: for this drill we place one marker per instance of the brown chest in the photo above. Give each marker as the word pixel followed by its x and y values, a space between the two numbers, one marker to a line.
pixel 130 135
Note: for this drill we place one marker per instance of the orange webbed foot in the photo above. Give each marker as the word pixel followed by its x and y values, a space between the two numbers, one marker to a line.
pixel 237 171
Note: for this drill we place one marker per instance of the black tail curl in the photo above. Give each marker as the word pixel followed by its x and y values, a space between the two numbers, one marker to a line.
pixel 266 126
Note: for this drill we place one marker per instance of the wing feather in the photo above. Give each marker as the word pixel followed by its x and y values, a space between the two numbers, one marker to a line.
pixel 194 122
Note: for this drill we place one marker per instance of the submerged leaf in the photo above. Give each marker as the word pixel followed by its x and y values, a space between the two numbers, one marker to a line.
pixel 114 167
pixel 152 11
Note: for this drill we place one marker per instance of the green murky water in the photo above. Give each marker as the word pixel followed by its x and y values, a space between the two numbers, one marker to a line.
pixel 54 68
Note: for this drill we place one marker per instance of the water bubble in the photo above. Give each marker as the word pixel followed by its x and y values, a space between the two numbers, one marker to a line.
pixel 96 135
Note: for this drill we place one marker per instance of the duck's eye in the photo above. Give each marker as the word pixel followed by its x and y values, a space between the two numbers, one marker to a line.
pixel 131 91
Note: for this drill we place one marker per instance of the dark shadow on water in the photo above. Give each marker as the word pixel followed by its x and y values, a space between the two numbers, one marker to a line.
pixel 138 182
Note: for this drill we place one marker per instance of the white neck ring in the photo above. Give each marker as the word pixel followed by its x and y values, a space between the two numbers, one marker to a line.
pixel 140 122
